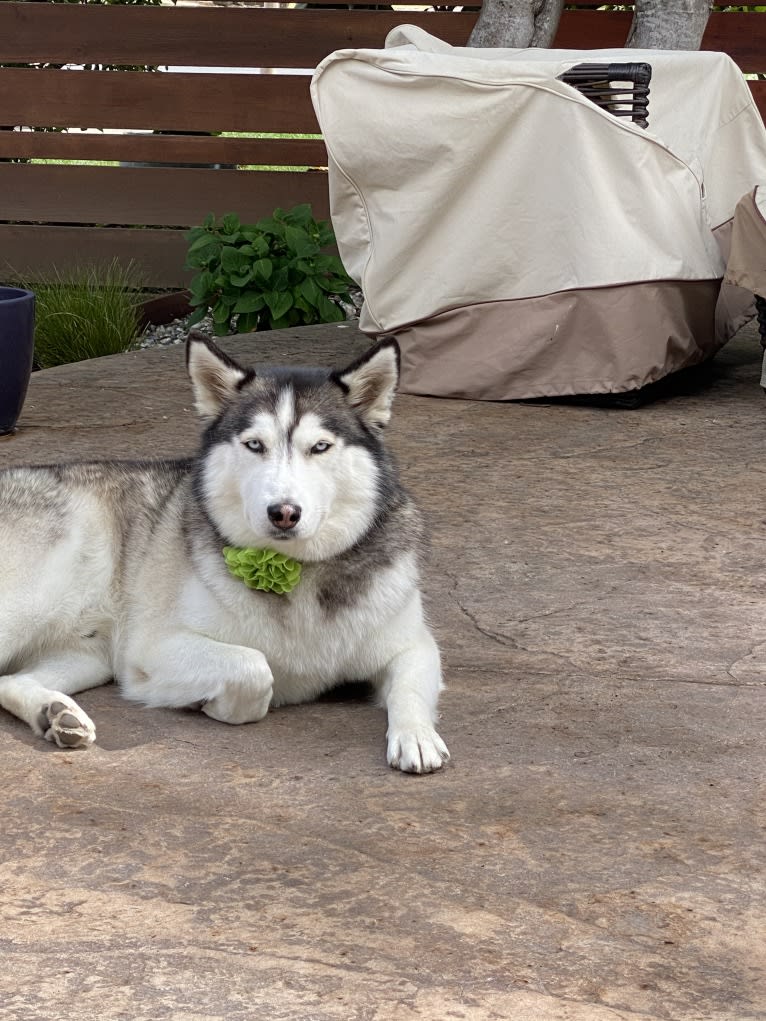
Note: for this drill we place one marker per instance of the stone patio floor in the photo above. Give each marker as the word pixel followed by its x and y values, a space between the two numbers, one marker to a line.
pixel 595 849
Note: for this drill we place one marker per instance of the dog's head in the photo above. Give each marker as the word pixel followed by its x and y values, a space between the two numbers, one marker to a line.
pixel 292 458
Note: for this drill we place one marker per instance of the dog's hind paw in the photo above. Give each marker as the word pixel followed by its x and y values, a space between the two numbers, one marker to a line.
pixel 67 725
pixel 417 751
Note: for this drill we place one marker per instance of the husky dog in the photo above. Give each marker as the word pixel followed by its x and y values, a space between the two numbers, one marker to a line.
pixel 116 569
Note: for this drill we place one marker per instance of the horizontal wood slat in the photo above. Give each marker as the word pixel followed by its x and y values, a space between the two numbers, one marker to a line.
pixel 265 37
pixel 579 3
pixel 255 37
pixel 58 200
pixel 177 197
pixel 30 253
pixel 741 35
pixel 592 28
pixel 183 149
pixel 80 107
pixel 163 148
pixel 405 3
pixel 585 4
pixel 174 102
pixel 758 90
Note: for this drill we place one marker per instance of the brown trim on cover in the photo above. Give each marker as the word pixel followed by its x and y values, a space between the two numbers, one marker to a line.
pixel 746 259
pixel 591 341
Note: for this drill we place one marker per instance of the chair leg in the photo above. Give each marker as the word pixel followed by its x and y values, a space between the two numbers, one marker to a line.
pixel 760 308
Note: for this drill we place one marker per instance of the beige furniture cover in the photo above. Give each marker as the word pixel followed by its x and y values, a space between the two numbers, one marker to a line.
pixel 747 259
pixel 746 267
pixel 518 240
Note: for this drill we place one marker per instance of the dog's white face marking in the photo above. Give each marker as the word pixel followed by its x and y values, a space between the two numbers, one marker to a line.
pixel 282 459
pixel 285 414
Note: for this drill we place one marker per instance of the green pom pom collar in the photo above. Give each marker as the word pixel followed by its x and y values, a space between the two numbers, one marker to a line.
pixel 263 569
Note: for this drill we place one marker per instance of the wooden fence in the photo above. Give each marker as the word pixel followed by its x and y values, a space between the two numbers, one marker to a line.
pixel 56 214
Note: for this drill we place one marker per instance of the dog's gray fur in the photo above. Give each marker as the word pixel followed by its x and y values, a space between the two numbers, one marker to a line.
pixel 116 569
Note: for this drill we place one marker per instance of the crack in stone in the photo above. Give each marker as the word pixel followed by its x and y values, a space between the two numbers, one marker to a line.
pixel 590 451
pixel 647 467
pixel 548 613
pixel 506 641
pixel 706 684
pixel 105 423
pixel 732 666
pixel 501 639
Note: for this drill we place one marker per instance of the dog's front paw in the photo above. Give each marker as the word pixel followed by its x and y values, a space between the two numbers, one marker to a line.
pixel 228 708
pixel 416 751
pixel 243 701
pixel 65 724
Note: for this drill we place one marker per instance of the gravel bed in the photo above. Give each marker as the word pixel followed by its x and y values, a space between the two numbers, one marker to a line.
pixel 172 333
pixel 176 331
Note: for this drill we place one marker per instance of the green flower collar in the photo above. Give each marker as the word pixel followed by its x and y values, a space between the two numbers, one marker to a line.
pixel 263 569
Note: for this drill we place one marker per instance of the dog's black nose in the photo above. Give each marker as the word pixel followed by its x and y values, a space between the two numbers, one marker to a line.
pixel 284 515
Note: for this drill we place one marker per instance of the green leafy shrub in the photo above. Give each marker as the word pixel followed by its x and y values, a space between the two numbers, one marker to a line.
pixel 267 275
pixel 86 312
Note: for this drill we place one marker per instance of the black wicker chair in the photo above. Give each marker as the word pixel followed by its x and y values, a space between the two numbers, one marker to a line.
pixel 620 89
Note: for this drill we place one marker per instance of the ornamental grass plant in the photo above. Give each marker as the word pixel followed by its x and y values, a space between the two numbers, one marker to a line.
pixel 86 312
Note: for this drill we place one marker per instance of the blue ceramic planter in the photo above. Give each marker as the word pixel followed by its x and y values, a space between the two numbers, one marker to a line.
pixel 17 342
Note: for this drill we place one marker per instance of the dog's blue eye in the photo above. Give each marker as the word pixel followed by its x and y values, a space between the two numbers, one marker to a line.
pixel 255 445
pixel 320 448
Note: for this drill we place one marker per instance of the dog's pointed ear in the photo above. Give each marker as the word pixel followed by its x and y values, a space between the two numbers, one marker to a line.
pixel 216 378
pixel 370 382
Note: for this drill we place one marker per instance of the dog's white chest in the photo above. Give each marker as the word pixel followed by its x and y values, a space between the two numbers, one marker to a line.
pixel 308 645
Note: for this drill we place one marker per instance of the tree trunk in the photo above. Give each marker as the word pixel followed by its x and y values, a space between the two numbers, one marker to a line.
pixel 668 24
pixel 516 23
